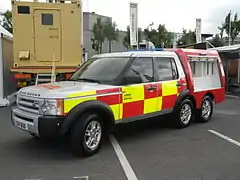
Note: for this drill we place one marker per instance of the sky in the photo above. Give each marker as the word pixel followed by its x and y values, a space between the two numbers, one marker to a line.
pixel 175 14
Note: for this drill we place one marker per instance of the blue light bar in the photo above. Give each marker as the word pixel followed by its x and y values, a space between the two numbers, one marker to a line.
pixel 145 49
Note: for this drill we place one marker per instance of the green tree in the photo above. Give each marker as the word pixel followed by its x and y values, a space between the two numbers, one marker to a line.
pixel 95 45
pixel 231 27
pixel 160 37
pixel 217 41
pixel 221 29
pixel 7 20
pixel 126 39
pixel 151 34
pixel 111 33
pixel 188 37
pixel 164 37
pixel 98 36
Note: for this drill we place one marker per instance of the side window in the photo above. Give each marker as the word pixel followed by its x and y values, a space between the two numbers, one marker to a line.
pixel 141 71
pixel 202 67
pixel 166 69
pixel 47 19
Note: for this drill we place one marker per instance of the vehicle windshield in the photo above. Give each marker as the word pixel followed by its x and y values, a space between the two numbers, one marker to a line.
pixel 101 70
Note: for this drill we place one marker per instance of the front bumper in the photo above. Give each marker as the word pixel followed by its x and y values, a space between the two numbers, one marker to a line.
pixel 36 124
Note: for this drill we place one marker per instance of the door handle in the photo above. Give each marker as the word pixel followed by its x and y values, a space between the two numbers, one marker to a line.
pixel 179 84
pixel 152 88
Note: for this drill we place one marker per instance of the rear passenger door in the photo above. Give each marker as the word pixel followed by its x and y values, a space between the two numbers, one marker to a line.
pixel 140 95
pixel 167 77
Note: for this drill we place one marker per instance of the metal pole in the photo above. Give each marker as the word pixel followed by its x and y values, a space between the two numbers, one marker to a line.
pixel 226 75
pixel 174 40
pixel 229 39
pixel 137 26
pixel 238 71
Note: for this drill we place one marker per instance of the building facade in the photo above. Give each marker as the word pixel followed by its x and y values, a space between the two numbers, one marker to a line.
pixel 89 19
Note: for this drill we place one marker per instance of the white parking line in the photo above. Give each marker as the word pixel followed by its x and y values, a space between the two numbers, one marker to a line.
pixel 80 178
pixel 225 137
pixel 232 96
pixel 123 160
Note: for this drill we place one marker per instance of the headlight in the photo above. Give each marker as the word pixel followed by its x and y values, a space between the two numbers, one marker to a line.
pixel 52 107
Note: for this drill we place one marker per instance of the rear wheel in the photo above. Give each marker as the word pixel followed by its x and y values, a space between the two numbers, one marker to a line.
pixel 86 135
pixel 184 114
pixel 205 113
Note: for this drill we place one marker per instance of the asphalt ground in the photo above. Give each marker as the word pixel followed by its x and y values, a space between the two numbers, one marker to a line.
pixel 151 150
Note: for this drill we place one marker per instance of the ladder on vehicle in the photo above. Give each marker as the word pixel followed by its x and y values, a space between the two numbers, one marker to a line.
pixel 44 78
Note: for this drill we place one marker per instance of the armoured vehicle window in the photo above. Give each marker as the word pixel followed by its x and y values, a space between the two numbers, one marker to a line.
pixel 47 19
pixel 167 69
pixel 141 70
pixel 23 10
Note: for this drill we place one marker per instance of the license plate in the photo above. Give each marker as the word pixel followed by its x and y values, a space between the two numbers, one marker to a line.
pixel 21 125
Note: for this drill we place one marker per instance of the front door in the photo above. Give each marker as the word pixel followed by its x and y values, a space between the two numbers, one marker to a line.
pixel 47 35
pixel 167 76
pixel 140 95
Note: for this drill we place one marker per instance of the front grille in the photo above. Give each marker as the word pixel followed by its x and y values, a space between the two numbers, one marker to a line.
pixel 28 104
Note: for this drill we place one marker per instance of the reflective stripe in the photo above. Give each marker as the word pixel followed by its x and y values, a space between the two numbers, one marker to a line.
pixel 116 109
pixel 133 100
pixel 111 99
pixel 133 93
pixel 85 93
pixel 71 103
pixel 169 88
pixel 151 105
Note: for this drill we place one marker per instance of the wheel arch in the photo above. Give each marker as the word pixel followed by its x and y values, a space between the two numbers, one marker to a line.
pixel 210 94
pixel 98 107
pixel 185 94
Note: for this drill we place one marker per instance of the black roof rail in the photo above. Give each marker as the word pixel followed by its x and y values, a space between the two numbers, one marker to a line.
pixel 202 45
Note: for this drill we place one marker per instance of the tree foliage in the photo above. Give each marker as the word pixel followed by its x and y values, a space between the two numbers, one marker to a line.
pixel 7 20
pixel 230 27
pixel 101 31
pixel 126 39
pixel 217 41
pixel 160 37
pixel 111 33
pixel 98 35
pixel 187 37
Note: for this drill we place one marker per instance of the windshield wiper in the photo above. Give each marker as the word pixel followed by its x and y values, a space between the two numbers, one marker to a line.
pixel 89 80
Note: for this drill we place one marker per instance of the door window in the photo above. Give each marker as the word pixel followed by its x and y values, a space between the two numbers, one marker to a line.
pixel 166 69
pixel 141 71
pixel 47 19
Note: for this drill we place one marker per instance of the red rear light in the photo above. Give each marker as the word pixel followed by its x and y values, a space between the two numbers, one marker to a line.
pixel 68 76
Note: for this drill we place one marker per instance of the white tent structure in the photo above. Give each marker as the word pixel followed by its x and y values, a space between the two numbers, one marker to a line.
pixel 230 49
pixel 7 86
pixel 5 32
pixel 228 54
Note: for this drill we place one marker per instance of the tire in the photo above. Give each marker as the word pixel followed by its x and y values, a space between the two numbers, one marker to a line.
pixel 207 106
pixel 78 137
pixel 186 105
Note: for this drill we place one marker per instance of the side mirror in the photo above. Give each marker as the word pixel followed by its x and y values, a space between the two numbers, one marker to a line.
pixel 132 80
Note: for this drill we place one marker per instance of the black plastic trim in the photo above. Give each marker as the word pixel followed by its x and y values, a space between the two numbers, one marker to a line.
pixel 181 96
pixel 83 107
pixel 49 126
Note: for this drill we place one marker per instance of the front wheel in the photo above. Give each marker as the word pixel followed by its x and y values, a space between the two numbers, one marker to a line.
pixel 86 135
pixel 205 113
pixel 184 114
